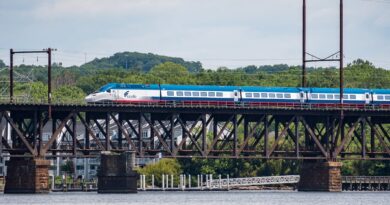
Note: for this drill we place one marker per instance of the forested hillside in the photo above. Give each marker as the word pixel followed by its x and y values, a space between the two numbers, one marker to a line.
pixel 139 62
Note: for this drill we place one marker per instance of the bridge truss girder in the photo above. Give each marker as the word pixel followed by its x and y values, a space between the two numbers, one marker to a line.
pixel 190 133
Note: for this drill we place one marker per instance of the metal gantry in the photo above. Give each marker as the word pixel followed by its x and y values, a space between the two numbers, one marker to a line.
pixel 186 131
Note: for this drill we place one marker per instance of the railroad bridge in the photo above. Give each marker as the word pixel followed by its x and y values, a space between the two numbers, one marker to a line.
pixel 318 135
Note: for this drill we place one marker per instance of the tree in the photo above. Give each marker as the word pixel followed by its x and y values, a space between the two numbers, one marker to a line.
pixel 68 94
pixel 164 166
pixel 170 73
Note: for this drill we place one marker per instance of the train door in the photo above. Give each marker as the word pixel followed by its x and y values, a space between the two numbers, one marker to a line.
pixel 236 95
pixel 302 96
pixel 367 98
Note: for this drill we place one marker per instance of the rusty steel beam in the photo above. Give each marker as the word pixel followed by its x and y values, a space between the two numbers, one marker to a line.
pixel 248 136
pixel 90 132
pixel 347 138
pixel 20 135
pixel 189 134
pixel 164 144
pixel 124 132
pixel 314 137
pixel 279 137
pixel 57 132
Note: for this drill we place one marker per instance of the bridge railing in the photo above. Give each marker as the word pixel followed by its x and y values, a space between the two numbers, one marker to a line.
pixel 366 179
pixel 255 181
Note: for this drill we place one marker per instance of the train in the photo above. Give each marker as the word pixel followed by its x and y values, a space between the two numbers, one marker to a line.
pixel 140 93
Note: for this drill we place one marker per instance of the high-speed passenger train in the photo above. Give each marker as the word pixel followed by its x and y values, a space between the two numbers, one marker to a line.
pixel 131 93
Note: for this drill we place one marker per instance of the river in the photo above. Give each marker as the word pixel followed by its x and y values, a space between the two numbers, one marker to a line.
pixel 203 198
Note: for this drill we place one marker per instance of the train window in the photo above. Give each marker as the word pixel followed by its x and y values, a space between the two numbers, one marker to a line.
pixel 287 95
pixel 345 97
pixel 109 90
pixel 203 94
pixel 322 96
pixel 352 97
pixel 367 96
pixel 170 93
pixel 248 95
pixel 329 97
pixel 380 97
pixel 195 94
pixel 314 96
pixel 264 95
pixel 187 93
pixel 272 95
pixel 279 95
pixel 387 97
pixel 337 97
pixel 179 93
pixel 256 95
pixel 211 94
pixel 219 94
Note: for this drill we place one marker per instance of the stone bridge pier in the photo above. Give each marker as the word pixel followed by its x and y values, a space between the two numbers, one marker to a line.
pixel 116 174
pixel 27 175
pixel 320 176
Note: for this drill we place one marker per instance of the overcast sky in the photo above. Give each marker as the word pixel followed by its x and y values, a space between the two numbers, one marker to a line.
pixel 218 33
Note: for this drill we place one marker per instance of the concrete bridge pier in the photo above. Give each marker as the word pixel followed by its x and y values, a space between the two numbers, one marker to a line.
pixel 27 175
pixel 320 176
pixel 116 173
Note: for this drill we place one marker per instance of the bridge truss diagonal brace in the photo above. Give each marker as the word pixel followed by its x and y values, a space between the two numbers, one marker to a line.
pixel 125 133
pixel 20 135
pixel 313 136
pixel 279 137
pixel 219 134
pixel 251 134
pixel 165 145
pixel 379 136
pixel 347 138
pixel 56 133
pixel 91 133
pixel 109 144
pixel 188 134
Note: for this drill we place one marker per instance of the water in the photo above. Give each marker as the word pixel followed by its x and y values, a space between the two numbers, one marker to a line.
pixel 204 198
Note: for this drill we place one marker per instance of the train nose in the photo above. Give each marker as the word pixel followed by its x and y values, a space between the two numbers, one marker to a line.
pixel 89 98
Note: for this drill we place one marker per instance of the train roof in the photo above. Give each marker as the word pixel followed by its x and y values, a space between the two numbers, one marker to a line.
pixel 381 91
pixel 337 90
pixel 199 87
pixel 128 86
pixel 269 89
pixel 232 88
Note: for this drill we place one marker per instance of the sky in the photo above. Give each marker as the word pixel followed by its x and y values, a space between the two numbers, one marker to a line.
pixel 230 33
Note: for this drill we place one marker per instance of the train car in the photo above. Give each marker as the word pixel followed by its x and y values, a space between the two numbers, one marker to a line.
pixel 125 93
pixel 197 93
pixel 272 95
pixel 332 96
pixel 380 96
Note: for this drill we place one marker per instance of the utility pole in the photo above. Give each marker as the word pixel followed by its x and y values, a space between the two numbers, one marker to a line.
pixel 304 83
pixel 48 52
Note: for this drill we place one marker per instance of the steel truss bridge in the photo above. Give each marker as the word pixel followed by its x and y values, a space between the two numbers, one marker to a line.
pixel 185 130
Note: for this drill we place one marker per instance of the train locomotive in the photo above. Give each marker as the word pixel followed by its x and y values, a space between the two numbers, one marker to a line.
pixel 144 93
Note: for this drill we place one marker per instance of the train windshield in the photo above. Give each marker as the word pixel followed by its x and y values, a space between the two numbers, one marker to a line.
pixel 106 88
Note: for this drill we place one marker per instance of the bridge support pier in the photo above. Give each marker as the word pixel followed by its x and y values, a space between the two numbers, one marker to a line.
pixel 27 175
pixel 320 176
pixel 116 173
